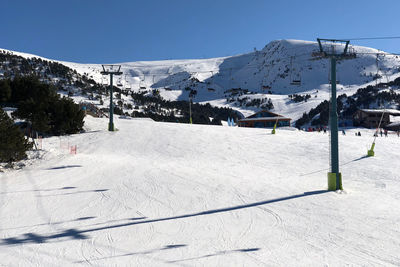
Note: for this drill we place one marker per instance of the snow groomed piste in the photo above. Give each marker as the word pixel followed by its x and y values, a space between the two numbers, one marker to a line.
pixel 164 194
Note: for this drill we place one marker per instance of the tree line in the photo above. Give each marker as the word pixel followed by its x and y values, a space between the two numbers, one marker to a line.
pixel 178 111
pixel 369 97
pixel 39 105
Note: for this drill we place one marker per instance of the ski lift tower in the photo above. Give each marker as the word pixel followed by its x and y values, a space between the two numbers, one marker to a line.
pixel 111 70
pixel 334 176
pixel 191 95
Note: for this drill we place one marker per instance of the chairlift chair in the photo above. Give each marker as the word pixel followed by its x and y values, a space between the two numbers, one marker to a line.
pixel 127 84
pixel 295 80
pixel 210 79
pixel 142 86
pixel 141 83
pixel 337 81
pixel 385 73
pixel 119 82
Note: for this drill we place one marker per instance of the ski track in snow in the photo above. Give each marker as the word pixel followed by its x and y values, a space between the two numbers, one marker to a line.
pixel 164 194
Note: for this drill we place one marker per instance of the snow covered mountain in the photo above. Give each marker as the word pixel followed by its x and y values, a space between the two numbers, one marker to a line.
pixel 275 68
pixel 281 68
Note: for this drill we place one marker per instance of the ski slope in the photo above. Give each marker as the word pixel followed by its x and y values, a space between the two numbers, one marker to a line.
pixel 165 194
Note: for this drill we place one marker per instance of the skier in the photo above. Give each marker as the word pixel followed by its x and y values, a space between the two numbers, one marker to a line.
pixel 386 132
pixel 359 134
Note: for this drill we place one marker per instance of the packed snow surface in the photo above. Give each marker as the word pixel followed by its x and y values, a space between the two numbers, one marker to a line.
pixel 164 194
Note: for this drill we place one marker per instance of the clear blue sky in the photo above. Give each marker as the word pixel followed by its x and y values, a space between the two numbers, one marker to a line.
pixel 100 31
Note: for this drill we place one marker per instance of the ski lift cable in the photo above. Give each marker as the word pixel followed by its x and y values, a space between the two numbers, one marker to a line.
pixel 379 125
pixel 372 38
pixel 386 73
pixel 377 70
pixel 247 66
pixel 365 53
pixel 379 53
pixel 270 64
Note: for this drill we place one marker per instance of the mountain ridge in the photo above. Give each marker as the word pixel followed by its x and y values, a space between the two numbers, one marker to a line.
pixel 283 67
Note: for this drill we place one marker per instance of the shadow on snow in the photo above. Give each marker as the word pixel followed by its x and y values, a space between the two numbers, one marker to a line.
pixel 76 192
pixel 343 164
pixel 64 167
pixel 52 223
pixel 82 234
pixel 135 253
pixel 42 190
pixel 246 250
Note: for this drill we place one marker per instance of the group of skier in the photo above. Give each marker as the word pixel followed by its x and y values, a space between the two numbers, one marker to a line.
pixel 381 132
pixel 384 132
pixel 313 129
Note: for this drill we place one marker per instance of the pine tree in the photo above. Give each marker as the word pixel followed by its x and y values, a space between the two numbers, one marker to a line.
pixel 39 104
pixel 13 145
pixel 5 91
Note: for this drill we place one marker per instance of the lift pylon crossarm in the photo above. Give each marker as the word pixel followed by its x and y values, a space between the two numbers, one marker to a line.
pixel 321 49
pixel 114 73
pixel 111 69
pixel 333 40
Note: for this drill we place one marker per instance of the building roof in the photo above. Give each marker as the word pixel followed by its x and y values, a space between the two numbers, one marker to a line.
pixel 266 119
pixel 265 112
pixel 264 115
pixel 393 124
pixel 394 112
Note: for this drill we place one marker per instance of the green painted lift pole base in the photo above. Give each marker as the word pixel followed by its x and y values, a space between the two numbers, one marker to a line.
pixel 332 181
pixel 371 152
pixel 273 130
pixel 111 127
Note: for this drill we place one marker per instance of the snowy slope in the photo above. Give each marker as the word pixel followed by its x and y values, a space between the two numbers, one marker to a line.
pixel 162 194
pixel 270 70
pixel 276 65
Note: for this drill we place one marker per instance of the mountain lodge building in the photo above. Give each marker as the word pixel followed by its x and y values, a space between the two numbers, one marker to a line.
pixel 370 118
pixel 264 119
